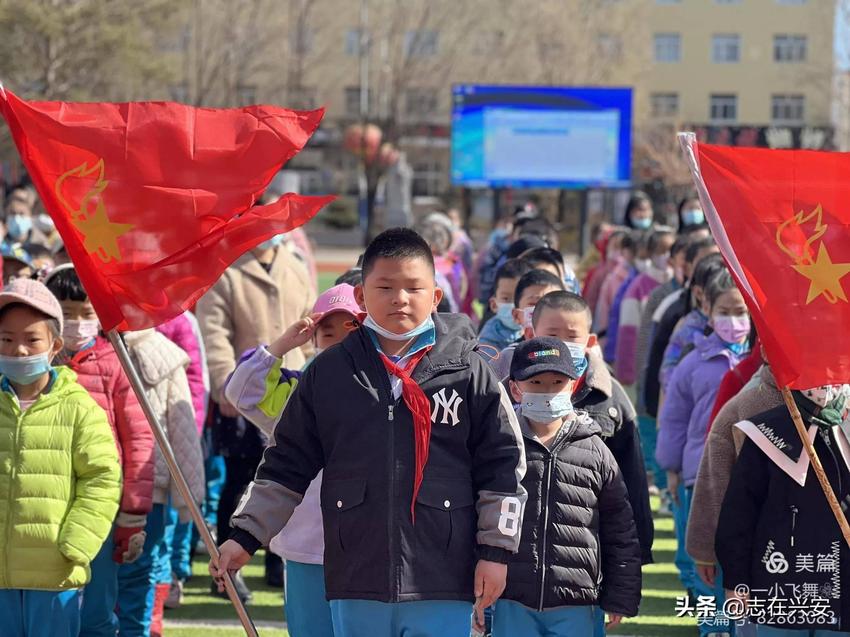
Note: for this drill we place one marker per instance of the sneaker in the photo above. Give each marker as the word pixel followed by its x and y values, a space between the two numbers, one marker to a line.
pixel 175 594
pixel 665 505
pixel 241 589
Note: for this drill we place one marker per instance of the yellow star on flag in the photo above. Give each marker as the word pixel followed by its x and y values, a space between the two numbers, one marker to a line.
pixel 825 277
pixel 100 235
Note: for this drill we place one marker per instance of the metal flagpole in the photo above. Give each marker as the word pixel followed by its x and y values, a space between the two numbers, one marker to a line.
pixel 177 475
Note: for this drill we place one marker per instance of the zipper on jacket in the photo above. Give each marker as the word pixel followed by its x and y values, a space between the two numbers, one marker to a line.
pixel 543 547
pixel 12 476
pixel 390 526
pixel 794 511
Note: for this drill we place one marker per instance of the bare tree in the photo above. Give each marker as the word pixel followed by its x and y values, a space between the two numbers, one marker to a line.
pixel 659 156
pixel 84 49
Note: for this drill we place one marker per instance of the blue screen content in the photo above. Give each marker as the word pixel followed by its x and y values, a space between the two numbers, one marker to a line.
pixel 541 136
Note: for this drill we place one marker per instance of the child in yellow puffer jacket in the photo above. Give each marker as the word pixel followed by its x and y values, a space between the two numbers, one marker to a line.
pixel 60 477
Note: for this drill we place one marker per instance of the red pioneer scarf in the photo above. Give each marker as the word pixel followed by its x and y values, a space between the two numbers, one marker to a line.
pixel 419 405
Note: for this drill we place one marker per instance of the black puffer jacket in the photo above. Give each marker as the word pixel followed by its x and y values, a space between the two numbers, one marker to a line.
pixel 606 402
pixel 772 532
pixel 343 418
pixel 578 545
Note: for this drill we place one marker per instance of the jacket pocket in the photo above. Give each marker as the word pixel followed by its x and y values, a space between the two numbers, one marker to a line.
pixel 444 509
pixel 340 499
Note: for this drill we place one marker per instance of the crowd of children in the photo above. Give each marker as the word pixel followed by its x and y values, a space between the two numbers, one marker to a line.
pixel 442 442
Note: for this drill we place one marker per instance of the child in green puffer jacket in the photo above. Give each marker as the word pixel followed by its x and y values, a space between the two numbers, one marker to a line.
pixel 60 478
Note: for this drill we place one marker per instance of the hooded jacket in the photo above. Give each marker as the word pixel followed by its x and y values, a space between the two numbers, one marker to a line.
pixel 183 331
pixel 162 368
pixel 683 421
pixel 579 545
pixel 99 372
pixel 689 331
pixel 606 402
pixel 343 418
pixel 60 481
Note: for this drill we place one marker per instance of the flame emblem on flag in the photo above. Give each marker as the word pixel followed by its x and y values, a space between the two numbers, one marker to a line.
pixel 99 233
pixel 817 266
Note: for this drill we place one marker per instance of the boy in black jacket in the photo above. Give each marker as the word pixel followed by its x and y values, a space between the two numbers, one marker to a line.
pixel 579 547
pixel 422 458
pixel 567 316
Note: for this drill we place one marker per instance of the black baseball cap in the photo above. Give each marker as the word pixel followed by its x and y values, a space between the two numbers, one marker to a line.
pixel 542 354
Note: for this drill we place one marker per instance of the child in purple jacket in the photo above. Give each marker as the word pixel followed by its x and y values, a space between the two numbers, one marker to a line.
pixel 684 417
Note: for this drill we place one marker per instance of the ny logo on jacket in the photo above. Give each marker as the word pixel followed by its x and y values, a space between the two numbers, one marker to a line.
pixel 449 405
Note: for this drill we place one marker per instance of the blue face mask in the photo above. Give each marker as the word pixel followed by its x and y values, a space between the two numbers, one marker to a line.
pixel 18 226
pixel 545 407
pixel 693 216
pixel 579 358
pixel 24 370
pixel 426 326
pixel 274 242
pixel 506 316
pixel 642 224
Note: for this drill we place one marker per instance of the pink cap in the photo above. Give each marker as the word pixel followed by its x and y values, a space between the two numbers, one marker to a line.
pixel 32 293
pixel 339 298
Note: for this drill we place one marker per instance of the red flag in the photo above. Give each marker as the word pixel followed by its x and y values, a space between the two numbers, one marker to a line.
pixel 153 199
pixel 782 221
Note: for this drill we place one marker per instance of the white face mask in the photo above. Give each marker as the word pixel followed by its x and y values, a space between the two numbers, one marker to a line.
pixel 78 334
pixel 527 315
pixel 661 262
pixel 424 326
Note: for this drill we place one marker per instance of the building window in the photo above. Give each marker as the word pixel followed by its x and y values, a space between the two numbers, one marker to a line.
pixel 609 45
pixel 352 101
pixel 723 108
pixel 302 98
pixel 420 43
pixel 664 104
pixel 789 48
pixel 787 109
pixel 668 47
pixel 246 94
pixel 725 48
pixel 427 176
pixel 420 102
pixel 301 41
pixel 353 42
